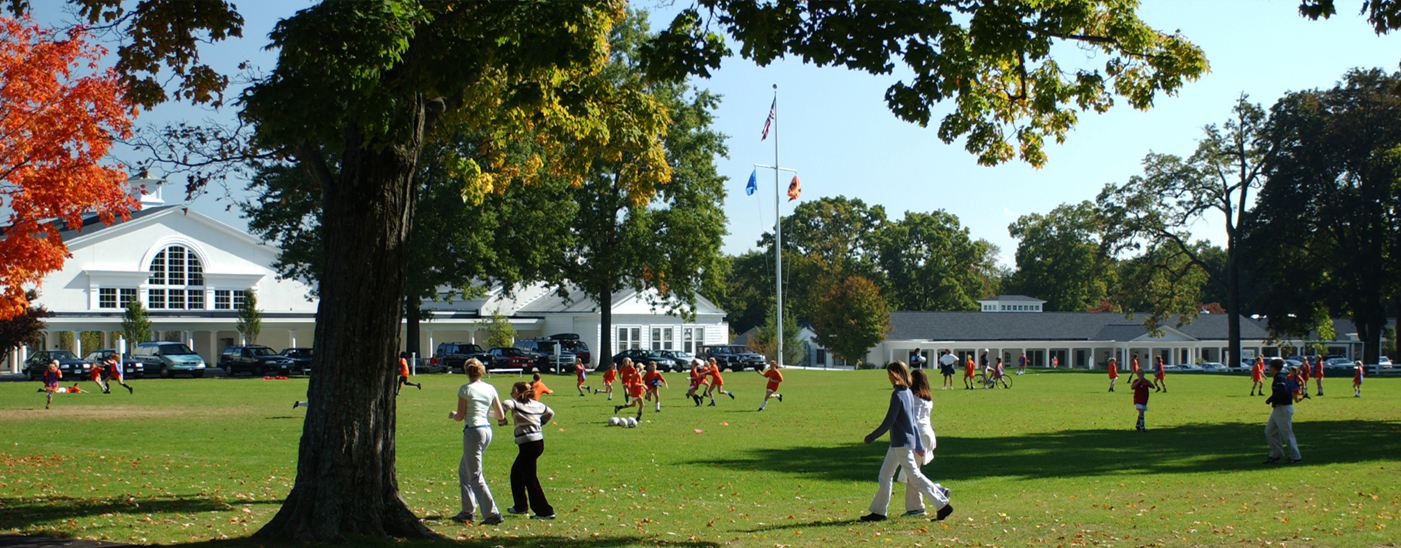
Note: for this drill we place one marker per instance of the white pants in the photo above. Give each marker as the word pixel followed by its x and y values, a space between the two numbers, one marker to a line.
pixel 469 473
pixel 904 457
pixel 1279 431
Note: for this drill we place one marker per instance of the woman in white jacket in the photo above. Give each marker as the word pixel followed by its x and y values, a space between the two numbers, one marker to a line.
pixel 919 388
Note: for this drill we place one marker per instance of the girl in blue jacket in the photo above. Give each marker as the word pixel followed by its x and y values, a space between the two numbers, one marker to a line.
pixel 905 444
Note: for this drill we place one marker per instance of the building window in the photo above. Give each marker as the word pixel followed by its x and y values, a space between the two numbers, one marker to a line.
pixel 221 299
pixel 107 297
pixel 629 338
pixel 178 278
pixel 128 295
pixel 662 338
pixel 692 338
pixel 238 298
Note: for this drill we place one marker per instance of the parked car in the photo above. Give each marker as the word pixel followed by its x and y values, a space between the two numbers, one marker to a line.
pixel 1214 367
pixel 1385 362
pixel 169 358
pixel 68 363
pixel 132 368
pixel 737 357
pixel 510 357
pixel 571 342
pixel 301 359
pixel 255 360
pixel 551 355
pixel 1189 367
pixel 453 355
pixel 640 358
pixel 682 358
pixel 1338 362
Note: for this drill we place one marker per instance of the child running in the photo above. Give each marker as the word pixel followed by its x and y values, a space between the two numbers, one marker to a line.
pixel 652 381
pixel 1357 381
pixel 905 446
pixel 95 374
pixel 697 380
pixel 1140 388
pixel 717 384
pixel 538 388
pixel 1159 375
pixel 968 368
pixel 1305 372
pixel 1318 374
pixel 51 377
pixel 1295 387
pixel 579 376
pixel 404 374
pixel 632 389
pixel 1113 367
pixel 1257 375
pixel 609 375
pixel 771 390
pixel 114 371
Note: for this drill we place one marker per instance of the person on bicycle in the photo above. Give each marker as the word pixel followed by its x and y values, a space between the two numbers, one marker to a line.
pixel 997 374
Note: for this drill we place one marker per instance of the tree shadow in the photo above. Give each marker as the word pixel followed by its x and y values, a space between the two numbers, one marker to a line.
pixel 476 537
pixel 20 513
pixel 1188 448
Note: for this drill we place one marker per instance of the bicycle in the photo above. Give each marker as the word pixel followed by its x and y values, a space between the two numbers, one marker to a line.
pixel 1006 381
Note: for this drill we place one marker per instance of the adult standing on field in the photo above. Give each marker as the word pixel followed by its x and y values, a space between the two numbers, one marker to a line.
pixel 946 367
pixel 477 404
pixel 1279 429
pixel 530 417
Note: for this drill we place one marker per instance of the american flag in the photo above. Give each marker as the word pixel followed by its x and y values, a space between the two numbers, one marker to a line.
pixel 773 113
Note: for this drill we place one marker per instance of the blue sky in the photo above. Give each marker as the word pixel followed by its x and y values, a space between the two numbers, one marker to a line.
pixel 836 131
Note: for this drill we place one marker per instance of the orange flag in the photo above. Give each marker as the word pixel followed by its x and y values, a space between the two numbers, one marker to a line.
pixel 794 189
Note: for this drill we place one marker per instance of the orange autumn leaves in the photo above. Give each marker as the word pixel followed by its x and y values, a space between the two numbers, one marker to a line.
pixel 58 115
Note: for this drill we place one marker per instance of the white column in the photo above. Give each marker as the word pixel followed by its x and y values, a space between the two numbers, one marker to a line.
pixel 1046 359
pixel 23 354
pixel 292 336
pixel 78 344
pixel 214 345
pixel 433 347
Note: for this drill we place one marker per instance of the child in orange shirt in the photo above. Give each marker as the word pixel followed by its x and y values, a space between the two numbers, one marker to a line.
pixel 771 390
pixel 609 375
pixel 698 372
pixel 1113 367
pixel 632 389
pixel 579 376
pixel 1257 374
pixel 968 367
pixel 95 374
pixel 538 388
pixel 404 374
pixel 717 384
pixel 651 382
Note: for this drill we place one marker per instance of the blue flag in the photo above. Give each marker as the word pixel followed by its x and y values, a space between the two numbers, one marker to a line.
pixel 753 184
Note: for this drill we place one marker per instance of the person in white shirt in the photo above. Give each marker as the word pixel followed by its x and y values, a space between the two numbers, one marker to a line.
pixel 947 362
pixel 477 405
pixel 530 416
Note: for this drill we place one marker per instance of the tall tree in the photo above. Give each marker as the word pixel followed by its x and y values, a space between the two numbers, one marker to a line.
pixel 1060 259
pixel 667 238
pixel 136 324
pixel 931 263
pixel 1328 213
pixel 764 341
pixel 994 59
pixel 824 240
pixel 23 329
pixel 58 116
pixel 250 319
pixel 853 319
pixel 1173 194
pixel 748 282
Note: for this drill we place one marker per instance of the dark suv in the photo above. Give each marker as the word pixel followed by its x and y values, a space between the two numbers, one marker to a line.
pixel 255 361
pixel 301 359
pixel 737 357
pixel 553 358
pixel 570 342
pixel 453 355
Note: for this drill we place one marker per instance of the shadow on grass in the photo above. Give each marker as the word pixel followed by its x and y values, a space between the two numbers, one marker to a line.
pixel 808 525
pixel 21 513
pixel 477 539
pixel 1181 449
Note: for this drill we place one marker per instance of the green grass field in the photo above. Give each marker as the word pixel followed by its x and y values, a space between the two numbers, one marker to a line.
pixel 1052 462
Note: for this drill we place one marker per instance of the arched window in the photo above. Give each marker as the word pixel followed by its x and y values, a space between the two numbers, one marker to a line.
pixel 177 280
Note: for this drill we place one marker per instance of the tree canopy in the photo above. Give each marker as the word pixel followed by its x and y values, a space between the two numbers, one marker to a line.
pixel 1060 259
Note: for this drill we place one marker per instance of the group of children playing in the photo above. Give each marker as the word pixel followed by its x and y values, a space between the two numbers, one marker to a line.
pixel 637 387
pixel 103 373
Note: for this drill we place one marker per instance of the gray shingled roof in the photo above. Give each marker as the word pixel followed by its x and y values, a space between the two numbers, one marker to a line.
pixel 1050 326
pixel 92 224
pixel 1011 298
pixel 577 302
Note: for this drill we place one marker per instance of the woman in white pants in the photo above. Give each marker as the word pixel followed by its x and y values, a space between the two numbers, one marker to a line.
pixel 477 405
pixel 919 388
pixel 905 445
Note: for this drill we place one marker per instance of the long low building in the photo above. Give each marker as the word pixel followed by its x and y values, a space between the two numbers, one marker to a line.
pixel 1011 326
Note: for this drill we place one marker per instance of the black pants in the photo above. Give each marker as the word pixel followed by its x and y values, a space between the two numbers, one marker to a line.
pixel 524 480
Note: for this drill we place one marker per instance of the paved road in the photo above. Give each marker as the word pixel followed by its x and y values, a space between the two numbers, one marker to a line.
pixel 15 541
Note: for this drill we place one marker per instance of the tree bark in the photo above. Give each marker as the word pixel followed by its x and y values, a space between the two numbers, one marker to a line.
pixel 346 483
pixel 1232 305
pixel 413 310
pixel 605 326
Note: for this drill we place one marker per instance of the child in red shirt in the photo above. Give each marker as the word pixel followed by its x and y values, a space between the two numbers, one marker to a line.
pixel 771 390
pixel 1257 374
pixel 1113 367
pixel 1318 373
pixel 579 376
pixel 538 388
pixel 717 384
pixel 1140 388
pixel 1159 375
pixel 95 374
pixel 609 375
pixel 968 368
pixel 632 389
pixel 404 374
pixel 697 379
pixel 652 381
pixel 1357 382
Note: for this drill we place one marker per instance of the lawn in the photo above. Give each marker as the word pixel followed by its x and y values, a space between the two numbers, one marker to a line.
pixel 1052 462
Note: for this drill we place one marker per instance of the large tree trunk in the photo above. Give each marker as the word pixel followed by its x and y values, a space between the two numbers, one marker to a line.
pixel 1370 320
pixel 346 483
pixel 1232 358
pixel 413 310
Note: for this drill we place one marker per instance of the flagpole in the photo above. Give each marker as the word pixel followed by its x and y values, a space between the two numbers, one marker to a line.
pixel 778 236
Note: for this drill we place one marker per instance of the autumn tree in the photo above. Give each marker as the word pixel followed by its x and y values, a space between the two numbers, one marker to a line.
pixel 853 319
pixel 58 116
pixel 23 329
